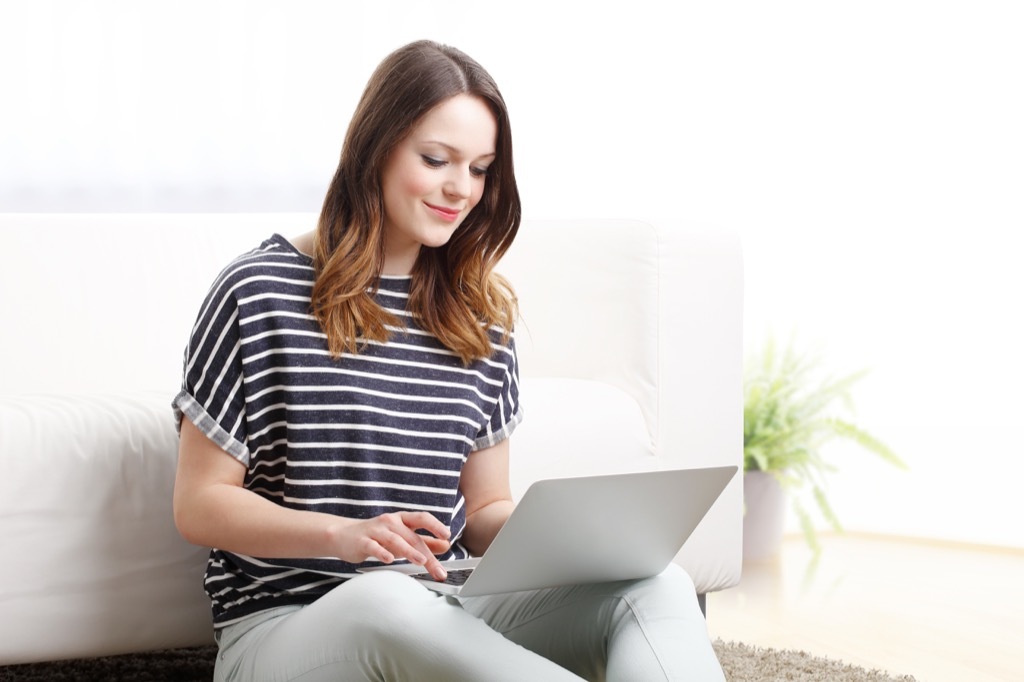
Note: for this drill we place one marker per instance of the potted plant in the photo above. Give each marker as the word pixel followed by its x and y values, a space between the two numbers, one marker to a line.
pixel 790 412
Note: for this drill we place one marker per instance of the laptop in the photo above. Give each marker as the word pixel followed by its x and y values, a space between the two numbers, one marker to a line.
pixel 589 529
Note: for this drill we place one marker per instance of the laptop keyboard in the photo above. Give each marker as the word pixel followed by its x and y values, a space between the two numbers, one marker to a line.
pixel 455 577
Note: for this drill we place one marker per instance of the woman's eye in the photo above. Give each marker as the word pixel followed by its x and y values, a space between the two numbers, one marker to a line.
pixel 478 172
pixel 432 161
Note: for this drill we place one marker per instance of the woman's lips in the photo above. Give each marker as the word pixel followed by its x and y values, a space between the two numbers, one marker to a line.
pixel 449 214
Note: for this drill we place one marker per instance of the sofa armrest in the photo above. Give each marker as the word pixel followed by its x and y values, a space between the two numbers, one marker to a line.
pixel 701 390
pixel 92 562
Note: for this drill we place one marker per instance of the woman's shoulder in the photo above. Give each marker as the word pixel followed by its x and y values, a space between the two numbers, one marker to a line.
pixel 273 263
pixel 274 253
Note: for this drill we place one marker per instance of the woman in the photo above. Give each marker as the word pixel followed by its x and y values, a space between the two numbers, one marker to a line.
pixel 362 380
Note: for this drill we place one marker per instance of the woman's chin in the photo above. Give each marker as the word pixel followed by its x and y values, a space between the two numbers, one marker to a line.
pixel 437 238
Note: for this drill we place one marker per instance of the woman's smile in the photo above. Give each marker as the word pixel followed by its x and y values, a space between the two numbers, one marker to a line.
pixel 448 214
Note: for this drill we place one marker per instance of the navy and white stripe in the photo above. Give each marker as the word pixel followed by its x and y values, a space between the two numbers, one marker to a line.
pixel 385 430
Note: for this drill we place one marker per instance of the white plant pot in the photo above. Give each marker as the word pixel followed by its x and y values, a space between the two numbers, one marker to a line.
pixel 764 517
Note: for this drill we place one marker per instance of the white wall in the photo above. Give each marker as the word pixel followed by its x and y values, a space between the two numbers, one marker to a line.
pixel 868 153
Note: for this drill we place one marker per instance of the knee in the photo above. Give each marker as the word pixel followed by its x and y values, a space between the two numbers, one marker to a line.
pixel 381 591
pixel 674 579
pixel 383 582
pixel 677 576
pixel 386 603
pixel 671 590
pixel 676 584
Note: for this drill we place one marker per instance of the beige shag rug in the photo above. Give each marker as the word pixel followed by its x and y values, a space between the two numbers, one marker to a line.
pixel 744 663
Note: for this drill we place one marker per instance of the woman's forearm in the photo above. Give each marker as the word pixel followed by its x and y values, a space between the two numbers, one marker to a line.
pixel 237 520
pixel 483 524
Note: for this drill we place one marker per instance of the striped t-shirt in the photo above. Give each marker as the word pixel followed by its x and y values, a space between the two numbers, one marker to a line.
pixel 384 430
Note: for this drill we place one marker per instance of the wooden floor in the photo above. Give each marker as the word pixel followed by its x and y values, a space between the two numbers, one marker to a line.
pixel 939 612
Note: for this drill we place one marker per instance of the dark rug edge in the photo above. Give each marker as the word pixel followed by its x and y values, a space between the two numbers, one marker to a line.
pixel 196 664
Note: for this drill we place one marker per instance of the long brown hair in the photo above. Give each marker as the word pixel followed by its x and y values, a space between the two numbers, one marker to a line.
pixel 455 291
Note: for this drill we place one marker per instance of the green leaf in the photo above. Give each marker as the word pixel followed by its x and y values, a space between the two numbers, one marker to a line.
pixel 826 510
pixel 807 525
pixel 791 411
pixel 867 441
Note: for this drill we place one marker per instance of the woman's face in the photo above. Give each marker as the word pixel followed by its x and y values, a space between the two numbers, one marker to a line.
pixel 434 178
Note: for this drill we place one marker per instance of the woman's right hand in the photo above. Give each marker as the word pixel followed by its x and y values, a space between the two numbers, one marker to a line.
pixel 393 536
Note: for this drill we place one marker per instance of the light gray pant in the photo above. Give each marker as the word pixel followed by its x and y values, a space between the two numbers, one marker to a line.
pixel 386 626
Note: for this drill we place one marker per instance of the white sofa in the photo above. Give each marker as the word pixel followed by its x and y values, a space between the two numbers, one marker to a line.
pixel 630 349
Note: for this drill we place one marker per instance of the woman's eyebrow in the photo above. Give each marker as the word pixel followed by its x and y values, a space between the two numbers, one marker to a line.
pixel 456 150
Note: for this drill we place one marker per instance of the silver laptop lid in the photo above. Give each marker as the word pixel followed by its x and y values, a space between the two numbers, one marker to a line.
pixel 597 529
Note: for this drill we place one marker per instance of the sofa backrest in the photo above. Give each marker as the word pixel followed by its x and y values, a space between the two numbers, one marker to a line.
pixel 96 302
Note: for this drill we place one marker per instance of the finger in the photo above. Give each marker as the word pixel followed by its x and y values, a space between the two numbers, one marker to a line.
pixel 434 568
pixel 374 550
pixel 427 522
pixel 437 545
pixel 431 564
pixel 430 546
pixel 404 543
pixel 406 525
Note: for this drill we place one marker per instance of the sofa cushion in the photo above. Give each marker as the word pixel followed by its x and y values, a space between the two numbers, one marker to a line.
pixel 577 427
pixel 90 546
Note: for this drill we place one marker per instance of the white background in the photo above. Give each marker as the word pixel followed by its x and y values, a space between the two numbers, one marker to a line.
pixel 869 154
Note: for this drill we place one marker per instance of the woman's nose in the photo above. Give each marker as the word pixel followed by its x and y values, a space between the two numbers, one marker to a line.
pixel 459 183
